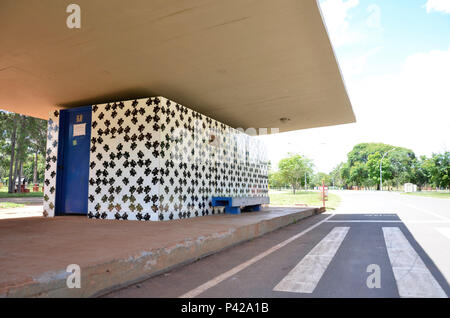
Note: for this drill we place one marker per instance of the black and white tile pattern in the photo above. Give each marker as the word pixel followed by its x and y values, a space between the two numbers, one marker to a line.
pixel 153 159
pixel 51 164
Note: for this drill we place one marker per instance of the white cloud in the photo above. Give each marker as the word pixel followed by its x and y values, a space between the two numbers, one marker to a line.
pixel 356 66
pixel 341 25
pixel 417 96
pixel 336 16
pixel 409 108
pixel 374 19
pixel 438 5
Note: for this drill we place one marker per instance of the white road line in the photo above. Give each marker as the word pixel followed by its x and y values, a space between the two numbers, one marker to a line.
pixel 213 282
pixel 424 211
pixel 444 231
pixel 411 274
pixel 304 277
pixel 365 221
pixel 425 221
pixel 387 221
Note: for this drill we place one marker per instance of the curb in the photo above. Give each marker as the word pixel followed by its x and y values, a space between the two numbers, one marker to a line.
pixel 100 279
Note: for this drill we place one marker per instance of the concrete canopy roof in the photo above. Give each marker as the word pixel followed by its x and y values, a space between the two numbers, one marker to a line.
pixel 245 63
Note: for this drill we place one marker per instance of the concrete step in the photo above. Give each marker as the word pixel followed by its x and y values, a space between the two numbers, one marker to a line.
pixel 35 252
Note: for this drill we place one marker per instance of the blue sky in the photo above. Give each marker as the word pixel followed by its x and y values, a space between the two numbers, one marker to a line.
pixel 395 59
pixel 404 27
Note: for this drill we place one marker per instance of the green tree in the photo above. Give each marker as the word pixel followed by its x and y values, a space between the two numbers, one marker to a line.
pixel 363 164
pixel 276 180
pixel 294 170
pixel 337 175
pixel 420 173
pixel 318 177
pixel 361 152
pixel 22 141
pixel 345 174
pixel 358 174
pixel 38 139
pixel 439 169
pixel 402 164
pixel 373 169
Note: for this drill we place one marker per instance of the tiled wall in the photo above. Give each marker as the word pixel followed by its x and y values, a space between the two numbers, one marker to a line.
pixel 153 159
pixel 50 164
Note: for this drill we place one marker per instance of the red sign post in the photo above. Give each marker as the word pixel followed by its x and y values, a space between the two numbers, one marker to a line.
pixel 324 193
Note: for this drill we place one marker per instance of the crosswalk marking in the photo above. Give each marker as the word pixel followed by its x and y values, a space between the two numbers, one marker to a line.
pixel 412 277
pixel 364 221
pixel 411 274
pixel 391 221
pixel 308 272
pixel 213 282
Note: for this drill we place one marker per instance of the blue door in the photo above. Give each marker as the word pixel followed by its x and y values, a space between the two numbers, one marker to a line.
pixel 73 161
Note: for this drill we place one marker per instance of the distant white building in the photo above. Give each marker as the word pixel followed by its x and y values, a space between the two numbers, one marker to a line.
pixel 410 187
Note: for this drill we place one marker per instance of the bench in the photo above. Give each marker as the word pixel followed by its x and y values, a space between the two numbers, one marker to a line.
pixel 233 205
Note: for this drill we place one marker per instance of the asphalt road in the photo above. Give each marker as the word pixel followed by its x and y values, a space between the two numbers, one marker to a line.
pixel 374 245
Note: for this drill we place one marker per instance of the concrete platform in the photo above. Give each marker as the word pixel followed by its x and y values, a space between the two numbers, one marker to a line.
pixel 35 252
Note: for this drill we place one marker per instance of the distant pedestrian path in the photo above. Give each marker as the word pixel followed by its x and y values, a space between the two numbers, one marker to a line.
pixel 24 200
pixel 22 212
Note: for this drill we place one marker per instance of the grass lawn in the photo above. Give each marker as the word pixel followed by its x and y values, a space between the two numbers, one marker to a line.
pixel 309 198
pixel 8 205
pixel 4 193
pixel 442 195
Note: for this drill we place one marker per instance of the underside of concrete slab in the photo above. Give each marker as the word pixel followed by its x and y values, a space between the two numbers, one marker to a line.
pixel 244 63
pixel 35 252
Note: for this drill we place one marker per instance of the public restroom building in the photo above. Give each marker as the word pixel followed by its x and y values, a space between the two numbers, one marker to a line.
pixel 116 148
pixel 147 159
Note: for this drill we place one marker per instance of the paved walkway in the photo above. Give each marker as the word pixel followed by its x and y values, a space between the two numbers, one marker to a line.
pixel 24 200
pixel 22 212
pixel 35 252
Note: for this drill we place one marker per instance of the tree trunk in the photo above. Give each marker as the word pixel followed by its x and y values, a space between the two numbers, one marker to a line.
pixel 13 151
pixel 20 175
pixel 16 171
pixel 35 168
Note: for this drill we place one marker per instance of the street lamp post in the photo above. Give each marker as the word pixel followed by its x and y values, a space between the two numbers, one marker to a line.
pixel 381 163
